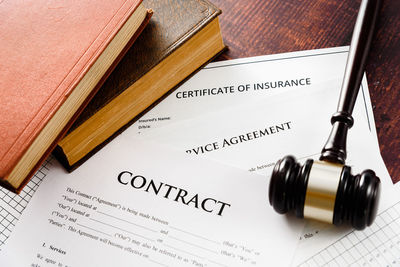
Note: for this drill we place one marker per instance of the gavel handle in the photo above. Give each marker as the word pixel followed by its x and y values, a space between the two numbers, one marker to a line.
pixel 335 148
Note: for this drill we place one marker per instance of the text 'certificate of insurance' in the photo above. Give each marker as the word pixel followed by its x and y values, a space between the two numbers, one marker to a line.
pixel 137 204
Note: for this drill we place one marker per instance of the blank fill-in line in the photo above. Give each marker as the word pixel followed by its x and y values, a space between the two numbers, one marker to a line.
pixel 217 263
pixel 159 263
pixel 93 229
pixel 122 229
pixel 181 250
pixel 138 225
pixel 186 242
pixel 199 236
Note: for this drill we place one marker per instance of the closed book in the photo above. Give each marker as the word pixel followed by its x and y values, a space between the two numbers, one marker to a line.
pixel 181 37
pixel 54 56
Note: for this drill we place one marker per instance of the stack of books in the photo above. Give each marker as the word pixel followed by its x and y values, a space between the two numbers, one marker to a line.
pixel 74 75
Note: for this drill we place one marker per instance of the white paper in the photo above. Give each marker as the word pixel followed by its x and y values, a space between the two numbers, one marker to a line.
pixel 89 218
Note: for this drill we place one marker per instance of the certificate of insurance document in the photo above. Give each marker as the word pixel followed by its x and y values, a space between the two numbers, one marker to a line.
pixel 139 204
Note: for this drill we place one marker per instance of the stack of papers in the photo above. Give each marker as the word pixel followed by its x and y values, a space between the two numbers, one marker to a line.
pixel 187 184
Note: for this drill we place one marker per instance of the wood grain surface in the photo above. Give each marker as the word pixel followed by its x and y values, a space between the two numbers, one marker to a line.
pixel 253 28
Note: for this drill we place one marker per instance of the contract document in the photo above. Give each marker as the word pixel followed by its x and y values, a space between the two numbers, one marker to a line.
pixel 139 204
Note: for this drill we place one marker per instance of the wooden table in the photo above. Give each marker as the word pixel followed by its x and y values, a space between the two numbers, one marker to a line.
pixel 253 28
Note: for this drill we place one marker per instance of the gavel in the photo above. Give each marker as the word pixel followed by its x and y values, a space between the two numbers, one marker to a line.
pixel 326 190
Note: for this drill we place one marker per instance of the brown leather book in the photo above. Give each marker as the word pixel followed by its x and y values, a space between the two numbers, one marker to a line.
pixel 54 56
pixel 181 37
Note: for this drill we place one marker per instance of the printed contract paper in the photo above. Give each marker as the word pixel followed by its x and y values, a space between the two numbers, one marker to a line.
pixel 139 204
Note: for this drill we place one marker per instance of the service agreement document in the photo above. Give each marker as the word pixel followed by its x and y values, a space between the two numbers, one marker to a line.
pixel 137 204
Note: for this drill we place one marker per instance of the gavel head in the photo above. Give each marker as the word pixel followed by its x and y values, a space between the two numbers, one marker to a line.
pixel 324 191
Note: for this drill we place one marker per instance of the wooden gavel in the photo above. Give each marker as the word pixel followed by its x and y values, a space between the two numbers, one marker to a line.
pixel 326 190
